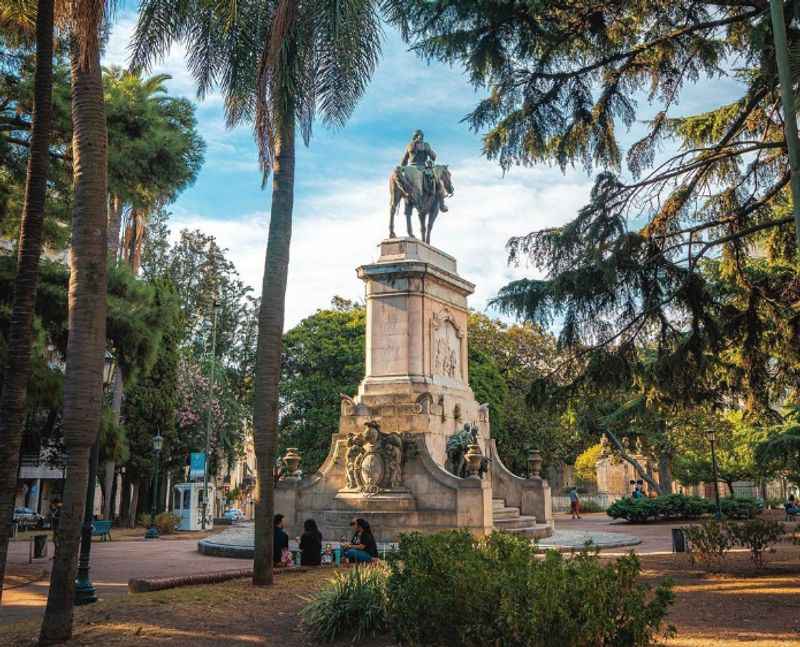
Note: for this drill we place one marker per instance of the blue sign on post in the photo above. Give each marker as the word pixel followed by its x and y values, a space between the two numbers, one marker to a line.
pixel 197 465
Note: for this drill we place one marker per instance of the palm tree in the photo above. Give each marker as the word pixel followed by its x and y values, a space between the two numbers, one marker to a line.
pixel 87 306
pixel 20 334
pixel 154 153
pixel 277 63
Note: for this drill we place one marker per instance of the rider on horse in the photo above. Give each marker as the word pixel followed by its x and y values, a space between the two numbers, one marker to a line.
pixel 420 156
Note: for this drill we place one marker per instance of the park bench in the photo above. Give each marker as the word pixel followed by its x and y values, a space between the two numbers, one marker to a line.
pixel 101 529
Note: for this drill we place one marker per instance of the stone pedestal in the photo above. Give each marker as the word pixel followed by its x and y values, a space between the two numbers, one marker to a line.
pixel 387 458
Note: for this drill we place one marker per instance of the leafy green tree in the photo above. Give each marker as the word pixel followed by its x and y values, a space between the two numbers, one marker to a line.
pixel 323 356
pixel 278 64
pixel 736 441
pixel 520 354
pixel 18 367
pixel 780 453
pixel 150 407
pixel 155 152
pixel 635 269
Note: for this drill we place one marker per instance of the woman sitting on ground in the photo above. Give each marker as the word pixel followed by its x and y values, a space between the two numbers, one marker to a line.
pixel 310 544
pixel 363 547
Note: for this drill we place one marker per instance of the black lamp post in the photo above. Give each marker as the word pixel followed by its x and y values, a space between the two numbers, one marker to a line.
pixel 712 436
pixel 84 590
pixel 152 531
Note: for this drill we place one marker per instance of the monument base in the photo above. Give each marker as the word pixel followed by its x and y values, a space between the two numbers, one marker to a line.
pixel 386 463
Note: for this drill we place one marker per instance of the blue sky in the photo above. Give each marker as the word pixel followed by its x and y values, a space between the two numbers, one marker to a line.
pixel 341 201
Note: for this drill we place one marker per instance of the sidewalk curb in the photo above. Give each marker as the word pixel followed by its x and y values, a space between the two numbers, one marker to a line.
pixel 149 584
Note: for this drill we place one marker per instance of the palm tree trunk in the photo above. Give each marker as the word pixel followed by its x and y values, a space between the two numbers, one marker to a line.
pixel 18 369
pixel 114 222
pixel 134 505
pixel 108 487
pixel 116 410
pixel 270 337
pixel 87 327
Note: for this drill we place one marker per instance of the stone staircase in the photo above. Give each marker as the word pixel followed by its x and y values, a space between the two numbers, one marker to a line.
pixel 510 520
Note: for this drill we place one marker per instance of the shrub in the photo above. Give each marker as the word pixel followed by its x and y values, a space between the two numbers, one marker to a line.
pixel 352 604
pixel 741 507
pixel 708 543
pixel 756 535
pixel 591 506
pixel 167 523
pixel 635 510
pixel 680 506
pixel 449 589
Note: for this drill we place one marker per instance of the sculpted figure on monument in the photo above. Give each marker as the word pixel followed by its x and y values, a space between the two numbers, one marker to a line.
pixel 421 185
pixel 374 460
pixel 456 449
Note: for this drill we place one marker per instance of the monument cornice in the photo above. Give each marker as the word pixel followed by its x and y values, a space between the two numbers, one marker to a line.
pixel 412 269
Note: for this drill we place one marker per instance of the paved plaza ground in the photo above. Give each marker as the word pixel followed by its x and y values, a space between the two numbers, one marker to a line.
pixel 740 608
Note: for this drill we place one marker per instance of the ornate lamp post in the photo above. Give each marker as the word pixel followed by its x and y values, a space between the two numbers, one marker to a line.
pixel 712 436
pixel 84 590
pixel 152 531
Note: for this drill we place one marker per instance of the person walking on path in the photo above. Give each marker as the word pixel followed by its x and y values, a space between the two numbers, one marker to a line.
pixel 574 503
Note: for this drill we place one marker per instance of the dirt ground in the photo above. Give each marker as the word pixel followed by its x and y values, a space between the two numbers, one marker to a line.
pixel 740 606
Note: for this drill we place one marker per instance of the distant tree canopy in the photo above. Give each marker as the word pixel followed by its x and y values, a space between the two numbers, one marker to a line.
pixel 679 277
pixel 323 356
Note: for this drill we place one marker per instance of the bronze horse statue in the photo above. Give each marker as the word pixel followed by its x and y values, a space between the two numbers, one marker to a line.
pixel 426 201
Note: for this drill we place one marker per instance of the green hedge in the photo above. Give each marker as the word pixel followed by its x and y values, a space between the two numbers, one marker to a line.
pixel 680 506
pixel 451 590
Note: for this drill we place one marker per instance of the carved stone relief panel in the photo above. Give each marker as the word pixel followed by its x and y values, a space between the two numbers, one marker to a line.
pixel 446 341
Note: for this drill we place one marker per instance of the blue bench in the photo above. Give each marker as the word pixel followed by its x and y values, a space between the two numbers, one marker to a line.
pixel 101 529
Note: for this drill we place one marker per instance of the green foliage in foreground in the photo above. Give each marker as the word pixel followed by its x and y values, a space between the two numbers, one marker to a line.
pixel 353 603
pixel 680 506
pixel 449 589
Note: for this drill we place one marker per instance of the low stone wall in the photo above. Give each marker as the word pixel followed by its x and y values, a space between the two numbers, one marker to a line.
pixel 433 499
pixel 561 503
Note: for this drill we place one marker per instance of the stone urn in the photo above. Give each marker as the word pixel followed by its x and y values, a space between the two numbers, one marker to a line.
pixel 473 458
pixel 535 463
pixel 292 462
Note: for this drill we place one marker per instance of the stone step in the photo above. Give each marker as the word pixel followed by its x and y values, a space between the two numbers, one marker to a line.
pixel 533 531
pixel 498 503
pixel 505 513
pixel 516 523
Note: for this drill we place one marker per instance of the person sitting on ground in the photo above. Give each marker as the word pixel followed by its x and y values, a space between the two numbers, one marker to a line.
pixel 790 507
pixel 363 547
pixel 280 541
pixel 310 544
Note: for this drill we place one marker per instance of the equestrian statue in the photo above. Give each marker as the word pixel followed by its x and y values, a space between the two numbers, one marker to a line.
pixel 421 185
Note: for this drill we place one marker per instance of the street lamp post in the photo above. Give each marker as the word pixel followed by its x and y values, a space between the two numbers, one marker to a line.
pixel 152 531
pixel 84 590
pixel 715 472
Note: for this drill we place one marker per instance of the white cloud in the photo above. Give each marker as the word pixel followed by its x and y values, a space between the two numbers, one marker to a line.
pixel 340 226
